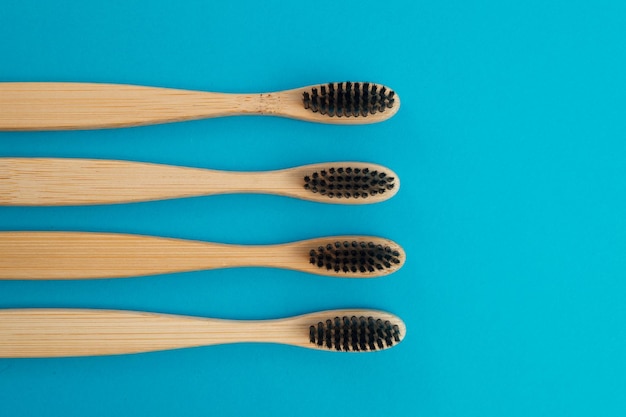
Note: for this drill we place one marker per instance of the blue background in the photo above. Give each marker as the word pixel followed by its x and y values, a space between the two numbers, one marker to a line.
pixel 510 144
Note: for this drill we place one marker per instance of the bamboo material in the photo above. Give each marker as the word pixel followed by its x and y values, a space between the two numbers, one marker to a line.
pixel 67 106
pixel 30 333
pixel 66 181
pixel 83 255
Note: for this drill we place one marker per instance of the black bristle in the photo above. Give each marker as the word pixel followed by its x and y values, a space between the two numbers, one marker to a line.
pixel 345 331
pixel 356 100
pixel 373 103
pixel 339 332
pixel 320 334
pixel 390 99
pixel 314 105
pixel 396 332
pixel 348 178
pixel 371 333
pixel 348 99
pixel 379 328
pixel 356 334
pixel 353 257
pixel 388 334
pixel 323 107
pixel 340 100
pixel 306 100
pixel 362 334
pixel 329 333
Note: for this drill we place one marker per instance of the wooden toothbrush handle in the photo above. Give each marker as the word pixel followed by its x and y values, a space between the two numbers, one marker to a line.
pixel 68 106
pixel 32 333
pixel 27 333
pixel 70 181
pixel 82 255
pixel 30 255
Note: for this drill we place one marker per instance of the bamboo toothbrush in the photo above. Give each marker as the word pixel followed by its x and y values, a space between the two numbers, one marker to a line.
pixel 68 106
pixel 84 255
pixel 66 181
pixel 35 333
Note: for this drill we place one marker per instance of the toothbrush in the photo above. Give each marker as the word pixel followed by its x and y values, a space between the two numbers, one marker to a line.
pixel 83 255
pixel 38 333
pixel 68 106
pixel 66 181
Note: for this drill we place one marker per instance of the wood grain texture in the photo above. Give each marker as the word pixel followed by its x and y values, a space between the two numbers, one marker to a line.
pixel 68 106
pixel 68 181
pixel 28 333
pixel 82 255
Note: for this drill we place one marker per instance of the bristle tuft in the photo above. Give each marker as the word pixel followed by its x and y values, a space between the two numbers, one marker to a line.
pixel 348 182
pixel 354 257
pixel 356 334
pixel 348 99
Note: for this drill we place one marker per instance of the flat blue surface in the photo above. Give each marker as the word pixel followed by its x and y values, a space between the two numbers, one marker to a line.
pixel 510 144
